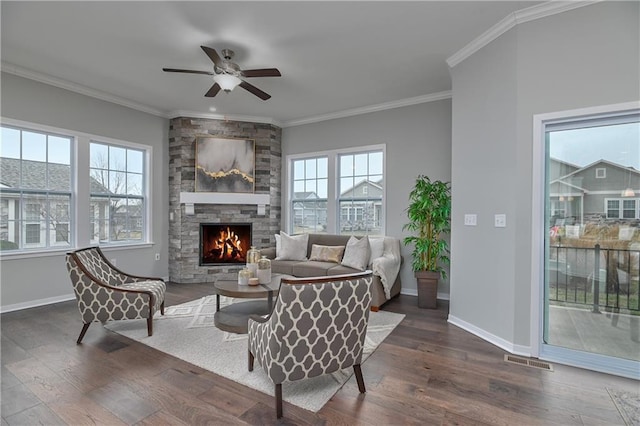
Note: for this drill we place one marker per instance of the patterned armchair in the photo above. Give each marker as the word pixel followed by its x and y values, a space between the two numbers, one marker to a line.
pixel 105 293
pixel 317 326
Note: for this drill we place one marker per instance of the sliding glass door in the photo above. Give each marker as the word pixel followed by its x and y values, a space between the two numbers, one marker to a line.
pixel 591 303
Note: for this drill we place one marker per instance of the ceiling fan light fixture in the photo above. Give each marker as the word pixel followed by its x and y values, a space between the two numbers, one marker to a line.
pixel 227 82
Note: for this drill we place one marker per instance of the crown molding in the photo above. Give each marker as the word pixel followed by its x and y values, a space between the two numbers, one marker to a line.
pixel 225 117
pixel 371 108
pixel 518 17
pixel 74 87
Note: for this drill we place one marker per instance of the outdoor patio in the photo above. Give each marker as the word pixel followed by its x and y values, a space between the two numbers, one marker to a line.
pixel 604 333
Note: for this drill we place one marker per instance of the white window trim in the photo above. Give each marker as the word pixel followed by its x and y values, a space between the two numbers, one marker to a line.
pixel 80 189
pixel 601 173
pixel 332 190
pixel 621 208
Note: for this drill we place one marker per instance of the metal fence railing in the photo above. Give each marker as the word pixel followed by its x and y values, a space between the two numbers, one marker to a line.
pixel 595 276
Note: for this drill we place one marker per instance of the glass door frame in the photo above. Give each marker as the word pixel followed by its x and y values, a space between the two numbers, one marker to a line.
pixel 539 235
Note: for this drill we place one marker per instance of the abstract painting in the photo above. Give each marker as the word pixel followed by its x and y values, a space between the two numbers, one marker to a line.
pixel 225 165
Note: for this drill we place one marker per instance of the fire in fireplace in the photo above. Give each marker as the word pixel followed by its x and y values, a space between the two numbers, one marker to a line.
pixel 224 243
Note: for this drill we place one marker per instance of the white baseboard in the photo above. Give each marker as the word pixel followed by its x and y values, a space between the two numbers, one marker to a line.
pixel 36 303
pixel 491 338
pixel 414 292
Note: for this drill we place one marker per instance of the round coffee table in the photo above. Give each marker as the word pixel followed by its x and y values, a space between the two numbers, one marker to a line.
pixel 234 318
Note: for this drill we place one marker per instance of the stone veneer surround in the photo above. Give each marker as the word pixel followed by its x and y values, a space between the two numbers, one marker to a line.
pixel 184 229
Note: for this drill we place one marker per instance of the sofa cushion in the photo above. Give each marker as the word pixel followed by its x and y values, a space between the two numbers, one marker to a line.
pixel 312 268
pixel 356 253
pixel 341 270
pixel 292 247
pixel 283 266
pixel 326 253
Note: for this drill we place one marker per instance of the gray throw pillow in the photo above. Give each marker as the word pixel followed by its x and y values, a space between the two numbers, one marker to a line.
pixel 293 247
pixel 356 253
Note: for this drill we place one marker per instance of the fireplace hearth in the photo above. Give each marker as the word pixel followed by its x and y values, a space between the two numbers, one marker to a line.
pixel 224 243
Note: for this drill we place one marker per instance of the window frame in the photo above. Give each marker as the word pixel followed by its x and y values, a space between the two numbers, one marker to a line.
pixel 79 207
pixel 333 205
pixel 121 195
pixel 35 230
pixel 621 208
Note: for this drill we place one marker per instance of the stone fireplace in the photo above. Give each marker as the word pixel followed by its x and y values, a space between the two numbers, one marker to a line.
pixel 188 209
pixel 224 243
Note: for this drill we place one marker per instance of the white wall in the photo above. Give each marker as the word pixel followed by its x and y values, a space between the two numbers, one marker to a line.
pixel 581 58
pixel 418 140
pixel 31 281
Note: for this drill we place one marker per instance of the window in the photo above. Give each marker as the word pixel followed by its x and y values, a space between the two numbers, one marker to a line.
pixel 117 202
pixel 309 195
pixel 622 208
pixel 613 209
pixel 35 187
pixel 338 191
pixel 360 192
pixel 601 173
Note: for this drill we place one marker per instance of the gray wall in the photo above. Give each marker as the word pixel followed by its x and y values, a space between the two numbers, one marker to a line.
pixel 581 58
pixel 418 140
pixel 44 278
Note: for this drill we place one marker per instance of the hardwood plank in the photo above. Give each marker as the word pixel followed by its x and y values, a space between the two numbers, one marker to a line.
pixel 123 402
pixel 160 418
pixel 45 383
pixel 84 411
pixel 36 415
pixel 9 380
pixel 16 399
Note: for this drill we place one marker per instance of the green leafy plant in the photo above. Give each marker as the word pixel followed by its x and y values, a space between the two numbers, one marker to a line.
pixel 429 213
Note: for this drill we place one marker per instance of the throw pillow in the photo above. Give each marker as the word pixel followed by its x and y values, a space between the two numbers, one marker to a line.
pixel 326 253
pixel 277 244
pixel 356 253
pixel 293 247
pixel 377 248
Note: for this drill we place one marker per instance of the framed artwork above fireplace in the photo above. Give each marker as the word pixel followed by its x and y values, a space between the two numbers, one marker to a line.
pixel 225 165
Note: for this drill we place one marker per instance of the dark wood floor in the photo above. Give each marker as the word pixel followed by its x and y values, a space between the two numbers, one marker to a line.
pixel 426 372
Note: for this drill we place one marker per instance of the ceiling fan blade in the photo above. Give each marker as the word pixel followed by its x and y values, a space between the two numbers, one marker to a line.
pixel 187 71
pixel 213 55
pixel 253 89
pixel 264 72
pixel 213 91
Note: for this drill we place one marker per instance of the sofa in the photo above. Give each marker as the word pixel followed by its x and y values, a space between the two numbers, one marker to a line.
pixel 385 262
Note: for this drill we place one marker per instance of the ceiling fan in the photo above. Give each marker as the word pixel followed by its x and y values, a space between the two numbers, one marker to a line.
pixel 227 74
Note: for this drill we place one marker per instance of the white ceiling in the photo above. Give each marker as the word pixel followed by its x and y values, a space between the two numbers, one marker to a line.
pixel 334 56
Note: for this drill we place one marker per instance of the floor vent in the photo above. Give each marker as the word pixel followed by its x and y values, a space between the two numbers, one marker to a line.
pixel 535 363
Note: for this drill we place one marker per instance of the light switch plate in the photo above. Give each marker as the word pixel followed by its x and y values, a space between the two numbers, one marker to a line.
pixel 500 221
pixel 470 219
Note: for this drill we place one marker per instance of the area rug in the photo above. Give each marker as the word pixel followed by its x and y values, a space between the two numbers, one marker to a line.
pixel 628 405
pixel 187 332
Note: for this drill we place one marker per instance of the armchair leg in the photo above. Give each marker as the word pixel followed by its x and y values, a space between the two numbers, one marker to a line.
pixel 278 400
pixel 85 327
pixel 250 361
pixel 162 308
pixel 150 326
pixel 358 371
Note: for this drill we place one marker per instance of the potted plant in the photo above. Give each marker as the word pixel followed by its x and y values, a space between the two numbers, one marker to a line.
pixel 429 213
